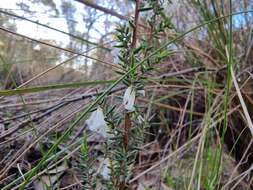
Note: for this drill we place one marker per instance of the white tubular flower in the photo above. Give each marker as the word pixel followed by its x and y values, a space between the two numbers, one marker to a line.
pixel 129 99
pixel 97 123
pixel 105 170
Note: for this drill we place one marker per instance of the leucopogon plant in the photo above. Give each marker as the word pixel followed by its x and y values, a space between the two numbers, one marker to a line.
pixel 123 132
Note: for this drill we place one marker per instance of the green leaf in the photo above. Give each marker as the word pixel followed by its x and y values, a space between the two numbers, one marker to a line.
pixel 145 9
pixel 131 24
pixel 120 46
pixel 164 54
pixel 137 50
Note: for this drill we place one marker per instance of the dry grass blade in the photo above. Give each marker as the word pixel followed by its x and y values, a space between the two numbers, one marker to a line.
pixel 244 107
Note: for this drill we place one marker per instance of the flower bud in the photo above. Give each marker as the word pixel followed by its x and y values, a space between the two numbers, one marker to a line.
pixel 97 122
pixel 129 99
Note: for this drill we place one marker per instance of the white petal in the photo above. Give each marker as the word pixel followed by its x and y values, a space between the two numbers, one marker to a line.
pixel 97 123
pixel 105 170
pixel 37 48
pixel 129 98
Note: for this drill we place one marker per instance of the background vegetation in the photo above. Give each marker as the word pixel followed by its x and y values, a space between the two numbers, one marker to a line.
pixel 69 71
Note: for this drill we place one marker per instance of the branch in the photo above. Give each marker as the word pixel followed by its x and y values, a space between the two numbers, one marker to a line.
pixel 103 9
pixel 136 18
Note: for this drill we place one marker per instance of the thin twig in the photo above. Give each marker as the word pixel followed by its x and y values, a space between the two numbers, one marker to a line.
pixel 103 9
